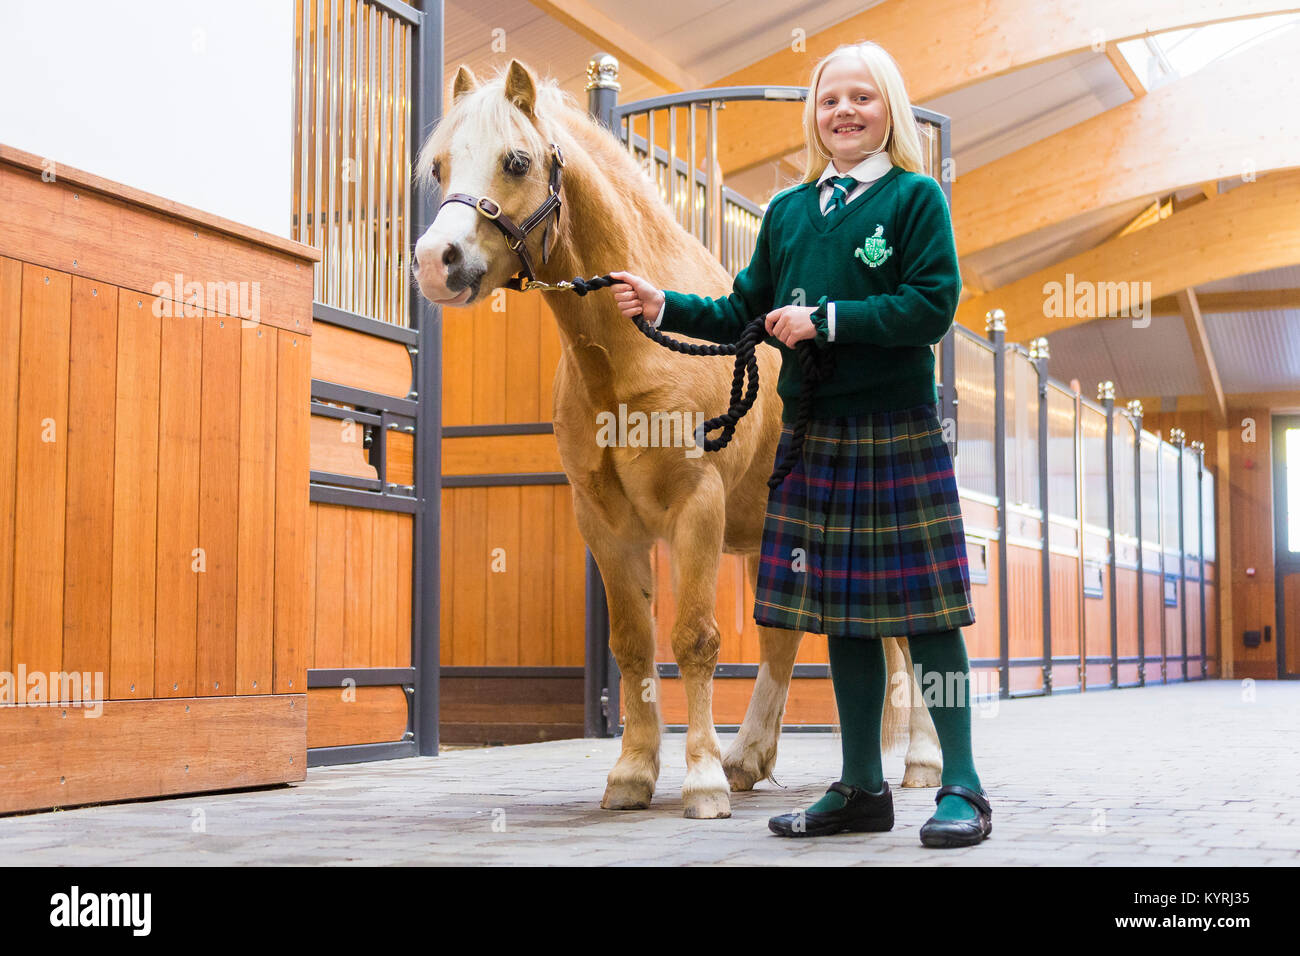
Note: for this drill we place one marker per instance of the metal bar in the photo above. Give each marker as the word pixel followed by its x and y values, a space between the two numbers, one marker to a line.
pixel 672 163
pixel 1109 403
pixel 333 392
pixel 1200 551
pixel 384 163
pixel 746 671
pixel 354 498
pixel 345 481
pixel 507 478
pixel 1136 410
pixel 329 254
pixel 712 195
pixel 516 428
pixel 369 302
pixel 997 337
pixel 1078 511
pixel 360 676
pixel 360 753
pixel 343 414
pixel 302 97
pixel 344 319
pixel 345 173
pixel 523 671
pixel 402 11
pixel 318 161
pixel 1182 563
pixel 690 176
pixel 425 318
pixel 652 161
pixel 1043 487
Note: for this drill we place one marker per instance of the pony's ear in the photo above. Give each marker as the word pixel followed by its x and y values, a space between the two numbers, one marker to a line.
pixel 521 88
pixel 465 82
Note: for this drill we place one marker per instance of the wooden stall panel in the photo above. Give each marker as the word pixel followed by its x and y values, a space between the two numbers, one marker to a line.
pixel 255 611
pixel 1153 625
pixel 11 297
pixel 293 592
pixel 1126 619
pixel 342 717
pixel 494 454
pixel 811 700
pixel 179 413
pixel 219 507
pixel 135 247
pixel 331 575
pixel 42 456
pixel 358 360
pixel 509 710
pixel 135 498
pixel 54 757
pixel 1025 611
pixel 337 447
pixel 1065 619
pixel 92 390
pixel 362 587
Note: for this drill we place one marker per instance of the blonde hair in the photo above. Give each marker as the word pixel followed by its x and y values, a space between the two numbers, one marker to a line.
pixel 902 141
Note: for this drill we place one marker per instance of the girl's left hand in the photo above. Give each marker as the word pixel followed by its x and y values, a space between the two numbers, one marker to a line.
pixel 791 324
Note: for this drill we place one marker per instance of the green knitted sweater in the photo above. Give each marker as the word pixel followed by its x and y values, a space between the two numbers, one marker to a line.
pixel 887 261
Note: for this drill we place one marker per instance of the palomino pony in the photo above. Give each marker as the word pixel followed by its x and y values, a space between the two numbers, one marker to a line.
pixel 494 142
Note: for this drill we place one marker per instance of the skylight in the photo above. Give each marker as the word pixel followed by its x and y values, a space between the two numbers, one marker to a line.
pixel 1163 57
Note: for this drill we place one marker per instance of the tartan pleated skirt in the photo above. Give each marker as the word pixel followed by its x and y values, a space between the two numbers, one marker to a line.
pixel 864 538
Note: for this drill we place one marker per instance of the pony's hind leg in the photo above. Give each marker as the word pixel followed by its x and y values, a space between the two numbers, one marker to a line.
pixel 626 571
pixel 752 755
pixel 923 765
pixel 696 543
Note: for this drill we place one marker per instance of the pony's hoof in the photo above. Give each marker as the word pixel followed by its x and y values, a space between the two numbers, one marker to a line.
pixel 922 775
pixel 626 795
pixel 707 806
pixel 744 771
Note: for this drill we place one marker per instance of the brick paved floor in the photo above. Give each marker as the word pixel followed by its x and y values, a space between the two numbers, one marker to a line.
pixel 1192 773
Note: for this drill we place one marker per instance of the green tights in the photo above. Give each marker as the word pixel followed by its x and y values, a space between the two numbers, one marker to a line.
pixel 858 673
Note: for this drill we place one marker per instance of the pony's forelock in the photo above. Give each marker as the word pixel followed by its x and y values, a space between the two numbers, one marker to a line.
pixel 484 112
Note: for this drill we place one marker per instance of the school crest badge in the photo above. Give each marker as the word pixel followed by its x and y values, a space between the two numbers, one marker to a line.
pixel 873 250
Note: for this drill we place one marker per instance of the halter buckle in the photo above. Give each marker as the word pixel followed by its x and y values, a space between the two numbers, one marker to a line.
pixel 495 214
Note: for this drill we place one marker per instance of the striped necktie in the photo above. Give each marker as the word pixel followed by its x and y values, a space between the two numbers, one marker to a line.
pixel 841 186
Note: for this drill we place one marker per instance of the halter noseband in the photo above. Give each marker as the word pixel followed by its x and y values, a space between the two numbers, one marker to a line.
pixel 515 235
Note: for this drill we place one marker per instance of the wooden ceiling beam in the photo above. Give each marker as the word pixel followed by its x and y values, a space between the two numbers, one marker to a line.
pixel 610 36
pixel 1250 229
pixel 961 43
pixel 1200 341
pixel 1247 300
pixel 1140 149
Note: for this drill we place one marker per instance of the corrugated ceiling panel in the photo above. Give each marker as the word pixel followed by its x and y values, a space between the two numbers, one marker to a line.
pixel 1256 351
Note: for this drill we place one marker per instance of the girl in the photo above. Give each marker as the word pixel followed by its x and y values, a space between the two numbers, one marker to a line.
pixel 864 538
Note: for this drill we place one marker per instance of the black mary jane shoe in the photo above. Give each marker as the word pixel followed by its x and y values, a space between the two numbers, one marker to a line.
pixel 863 812
pixel 968 832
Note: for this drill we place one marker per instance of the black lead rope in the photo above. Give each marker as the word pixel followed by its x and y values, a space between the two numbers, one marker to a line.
pixel 817 365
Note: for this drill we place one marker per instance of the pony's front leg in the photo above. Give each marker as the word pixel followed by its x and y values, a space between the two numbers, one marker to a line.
pixel 752 756
pixel 696 550
pixel 628 589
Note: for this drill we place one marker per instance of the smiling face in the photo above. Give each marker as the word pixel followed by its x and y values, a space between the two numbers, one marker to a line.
pixel 851 114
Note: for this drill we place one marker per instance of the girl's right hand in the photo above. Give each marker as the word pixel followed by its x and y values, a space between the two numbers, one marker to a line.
pixel 635 295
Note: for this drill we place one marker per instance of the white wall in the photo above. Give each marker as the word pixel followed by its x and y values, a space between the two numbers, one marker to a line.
pixel 191 100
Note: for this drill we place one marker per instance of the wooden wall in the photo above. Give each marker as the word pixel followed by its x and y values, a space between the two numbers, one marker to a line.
pixel 154 448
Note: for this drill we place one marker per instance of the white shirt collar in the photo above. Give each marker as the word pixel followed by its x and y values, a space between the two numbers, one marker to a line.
pixel 867 171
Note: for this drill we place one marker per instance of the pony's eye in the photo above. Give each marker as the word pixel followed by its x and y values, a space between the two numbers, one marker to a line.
pixel 516 164
pixel 435 171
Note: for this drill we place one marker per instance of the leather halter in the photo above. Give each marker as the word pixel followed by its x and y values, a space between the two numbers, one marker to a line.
pixel 515 235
